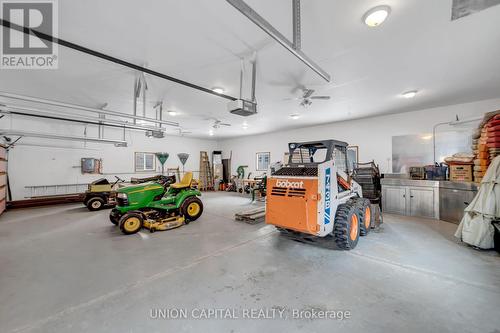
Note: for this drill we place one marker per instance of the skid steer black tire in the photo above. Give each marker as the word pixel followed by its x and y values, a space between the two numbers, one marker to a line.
pixel 191 209
pixel 365 216
pixel 346 227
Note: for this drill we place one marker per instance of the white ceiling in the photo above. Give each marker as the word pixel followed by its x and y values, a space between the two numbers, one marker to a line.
pixel 202 41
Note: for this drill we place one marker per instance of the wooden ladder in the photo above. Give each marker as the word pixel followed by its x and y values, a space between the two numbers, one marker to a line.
pixel 206 176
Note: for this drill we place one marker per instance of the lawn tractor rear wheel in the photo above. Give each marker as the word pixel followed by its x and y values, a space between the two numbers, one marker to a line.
pixel 131 223
pixel 95 203
pixel 347 226
pixel 365 216
pixel 191 209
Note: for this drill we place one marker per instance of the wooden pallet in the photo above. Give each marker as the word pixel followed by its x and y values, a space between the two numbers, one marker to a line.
pixel 252 216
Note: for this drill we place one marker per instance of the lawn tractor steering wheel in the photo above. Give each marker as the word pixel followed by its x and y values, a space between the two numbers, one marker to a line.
pixel 118 179
pixel 165 181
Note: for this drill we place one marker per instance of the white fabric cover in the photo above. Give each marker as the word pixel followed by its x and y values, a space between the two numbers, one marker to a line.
pixel 476 228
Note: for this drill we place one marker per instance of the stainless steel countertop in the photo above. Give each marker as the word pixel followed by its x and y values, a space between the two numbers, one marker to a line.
pixel 464 186
pixel 409 182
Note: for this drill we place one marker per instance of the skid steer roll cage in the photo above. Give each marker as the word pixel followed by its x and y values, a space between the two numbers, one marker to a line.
pixel 296 155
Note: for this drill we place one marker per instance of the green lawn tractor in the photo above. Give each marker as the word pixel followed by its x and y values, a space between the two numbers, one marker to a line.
pixel 156 207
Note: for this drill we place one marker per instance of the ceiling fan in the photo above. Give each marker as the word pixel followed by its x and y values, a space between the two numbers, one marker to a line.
pixel 218 123
pixel 307 97
pixel 183 131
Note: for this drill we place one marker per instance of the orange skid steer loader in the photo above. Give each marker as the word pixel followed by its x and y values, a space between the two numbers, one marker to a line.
pixel 312 198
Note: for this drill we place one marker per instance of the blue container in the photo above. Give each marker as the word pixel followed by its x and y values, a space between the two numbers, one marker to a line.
pixel 436 172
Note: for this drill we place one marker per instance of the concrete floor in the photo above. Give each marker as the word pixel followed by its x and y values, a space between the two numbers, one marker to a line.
pixel 67 269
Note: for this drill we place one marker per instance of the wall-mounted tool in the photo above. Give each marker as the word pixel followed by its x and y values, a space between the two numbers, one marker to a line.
pixel 183 157
pixel 162 158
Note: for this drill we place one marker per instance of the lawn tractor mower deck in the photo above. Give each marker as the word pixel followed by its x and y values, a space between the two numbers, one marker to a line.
pixel 156 206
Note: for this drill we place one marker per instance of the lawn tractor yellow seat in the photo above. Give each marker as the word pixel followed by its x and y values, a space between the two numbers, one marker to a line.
pixel 185 182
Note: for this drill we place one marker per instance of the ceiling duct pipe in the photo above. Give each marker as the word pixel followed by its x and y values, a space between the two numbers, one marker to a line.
pixel 297 39
pixel 118 143
pixel 140 87
pixel 134 109
pixel 254 76
pixel 242 68
pixel 101 124
pixel 158 111
pixel 253 16
pixel 37 113
pixel 84 108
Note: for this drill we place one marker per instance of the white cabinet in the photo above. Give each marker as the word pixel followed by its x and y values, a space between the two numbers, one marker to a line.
pixel 453 198
pixel 410 197
pixel 421 202
pixel 394 200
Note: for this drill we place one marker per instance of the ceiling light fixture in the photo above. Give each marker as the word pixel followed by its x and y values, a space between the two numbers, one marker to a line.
pixel 295 116
pixel 410 94
pixel 218 90
pixel 172 113
pixel 376 16
pixel 211 133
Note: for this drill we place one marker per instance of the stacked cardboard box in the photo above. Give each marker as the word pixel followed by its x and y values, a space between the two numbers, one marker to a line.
pixel 486 144
pixel 493 134
pixel 460 172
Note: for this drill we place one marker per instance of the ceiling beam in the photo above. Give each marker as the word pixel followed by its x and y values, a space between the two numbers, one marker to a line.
pixel 253 16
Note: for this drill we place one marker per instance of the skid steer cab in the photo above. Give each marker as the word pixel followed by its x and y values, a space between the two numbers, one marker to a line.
pixel 156 206
pixel 313 199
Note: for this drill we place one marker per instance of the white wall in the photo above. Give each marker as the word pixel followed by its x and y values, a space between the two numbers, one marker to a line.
pixel 35 165
pixel 372 135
